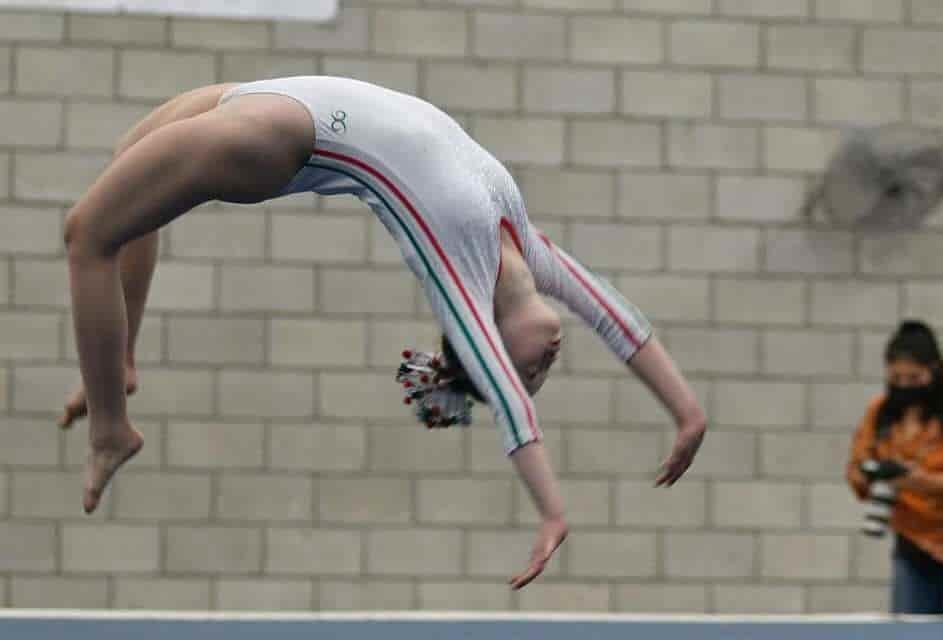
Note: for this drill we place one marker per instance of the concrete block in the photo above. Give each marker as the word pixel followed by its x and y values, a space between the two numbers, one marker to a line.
pixel 858 102
pixel 246 67
pixel 762 97
pixel 68 72
pixel 667 94
pixel 758 599
pixel 162 496
pixel 366 595
pixel 264 497
pixel 31 230
pixel 802 251
pixel 45 494
pixel 496 554
pixel 926 102
pixel 26 443
pixel 748 301
pixel 230 233
pixel 170 391
pixel 639 504
pixel 621 452
pixel 342 396
pixel 536 37
pixel 731 555
pixel 203 33
pixel 99 125
pixel 761 199
pixel 712 146
pixel 721 44
pixel 617 246
pixel 30 123
pixel 172 594
pixel 40 388
pixel 576 194
pixel 411 32
pixel 668 297
pixel 810 47
pixel 33 545
pixel 55 176
pixel 758 403
pixel 584 352
pixel 467 596
pixel 553 405
pixel 807 353
pixel 267 288
pixel 765 8
pixel 399 75
pixel 715 350
pixel 841 405
pixel 482 87
pixel 117 29
pixel 387 339
pixel 365 500
pixel 215 340
pixel 320 239
pixel 486 452
pixel 612 555
pixel 794 149
pixel 660 598
pixel 5 172
pixel 615 143
pixel 464 501
pixel 536 141
pixel 712 249
pixel 555 5
pixel 900 51
pixel 871 558
pixel 566 596
pixel 671 7
pixel 182 286
pixel 264 595
pixel 905 254
pixel 664 196
pixel 317 447
pixel 213 550
pixel 637 405
pixel 317 343
pixel 871 353
pixel 612 40
pixel 846 302
pixel 804 556
pixel 162 74
pixel 804 455
pixel 360 291
pixel 834 506
pixel 58 592
pixel 251 393
pixel 860 11
pixel 758 505
pixel 24 26
pixel 107 548
pixel 726 454
pixel 349 32
pixel 420 552
pixel 29 336
pixel 413 449
pixel 847 599
pixel 214 445
pixel 306 551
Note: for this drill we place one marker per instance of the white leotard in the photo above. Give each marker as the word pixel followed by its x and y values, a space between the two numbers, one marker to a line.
pixel 444 199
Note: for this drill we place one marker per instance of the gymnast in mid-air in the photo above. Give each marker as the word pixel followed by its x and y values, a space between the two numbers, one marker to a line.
pixel 453 209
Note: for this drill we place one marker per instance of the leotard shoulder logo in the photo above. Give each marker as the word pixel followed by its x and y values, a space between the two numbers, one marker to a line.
pixel 339 121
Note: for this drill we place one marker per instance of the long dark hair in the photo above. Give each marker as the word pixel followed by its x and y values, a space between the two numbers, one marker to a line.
pixel 915 341
pixel 461 382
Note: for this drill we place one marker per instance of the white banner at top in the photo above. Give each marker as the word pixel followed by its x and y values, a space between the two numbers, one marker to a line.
pixel 311 10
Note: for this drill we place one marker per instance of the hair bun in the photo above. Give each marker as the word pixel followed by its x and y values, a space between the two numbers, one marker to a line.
pixel 429 387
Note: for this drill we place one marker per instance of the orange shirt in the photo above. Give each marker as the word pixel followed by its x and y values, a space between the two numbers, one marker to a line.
pixel 916 516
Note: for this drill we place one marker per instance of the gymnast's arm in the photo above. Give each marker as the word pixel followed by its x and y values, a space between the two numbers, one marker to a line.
pixel 628 334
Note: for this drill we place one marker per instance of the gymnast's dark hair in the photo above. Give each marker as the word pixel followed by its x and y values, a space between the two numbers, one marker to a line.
pixel 461 382
pixel 915 341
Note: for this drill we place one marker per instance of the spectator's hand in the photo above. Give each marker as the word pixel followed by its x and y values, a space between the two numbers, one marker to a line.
pixel 687 442
pixel 552 532
pixel 858 482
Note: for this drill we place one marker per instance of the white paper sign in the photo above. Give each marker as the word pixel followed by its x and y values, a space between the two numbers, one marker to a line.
pixel 312 10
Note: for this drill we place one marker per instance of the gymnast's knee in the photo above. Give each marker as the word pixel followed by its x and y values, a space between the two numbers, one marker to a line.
pixel 83 243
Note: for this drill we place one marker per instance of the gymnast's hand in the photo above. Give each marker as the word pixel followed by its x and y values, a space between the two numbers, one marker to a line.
pixel 687 442
pixel 552 532
pixel 76 406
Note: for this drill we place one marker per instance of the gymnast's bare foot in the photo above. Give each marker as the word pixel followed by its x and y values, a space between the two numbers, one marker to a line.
pixel 76 407
pixel 104 458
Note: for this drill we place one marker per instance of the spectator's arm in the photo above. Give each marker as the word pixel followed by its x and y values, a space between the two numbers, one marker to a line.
pixel 861 447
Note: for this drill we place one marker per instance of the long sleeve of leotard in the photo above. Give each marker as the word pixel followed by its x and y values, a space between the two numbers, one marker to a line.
pixel 617 321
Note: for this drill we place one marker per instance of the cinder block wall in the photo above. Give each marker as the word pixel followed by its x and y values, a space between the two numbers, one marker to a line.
pixel 668 143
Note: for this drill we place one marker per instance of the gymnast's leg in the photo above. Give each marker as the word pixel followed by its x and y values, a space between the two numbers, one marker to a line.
pixel 243 151
pixel 138 259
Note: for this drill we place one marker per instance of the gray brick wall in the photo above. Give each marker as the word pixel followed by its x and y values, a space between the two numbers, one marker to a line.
pixel 667 143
